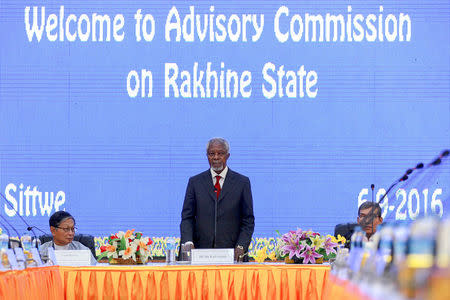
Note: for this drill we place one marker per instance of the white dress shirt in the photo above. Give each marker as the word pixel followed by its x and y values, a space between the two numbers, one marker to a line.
pixel 222 175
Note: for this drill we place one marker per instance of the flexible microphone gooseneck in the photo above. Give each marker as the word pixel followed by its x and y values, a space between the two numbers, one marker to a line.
pixel 15 230
pixel 29 228
pixel 403 178
pixel 438 160
pixel 4 227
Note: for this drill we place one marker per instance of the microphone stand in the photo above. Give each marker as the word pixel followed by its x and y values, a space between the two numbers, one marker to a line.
pixel 18 235
pixel 403 178
pixel 9 233
pixel 29 228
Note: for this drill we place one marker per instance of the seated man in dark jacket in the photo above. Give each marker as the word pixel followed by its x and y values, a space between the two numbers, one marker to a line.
pixel 369 217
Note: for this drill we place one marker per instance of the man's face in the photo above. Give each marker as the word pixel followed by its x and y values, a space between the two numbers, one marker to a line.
pixel 365 220
pixel 63 234
pixel 217 157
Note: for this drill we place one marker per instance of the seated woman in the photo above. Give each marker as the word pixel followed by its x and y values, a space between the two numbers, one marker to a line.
pixel 62 226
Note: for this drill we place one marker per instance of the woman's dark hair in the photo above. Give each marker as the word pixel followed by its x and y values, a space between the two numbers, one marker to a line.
pixel 58 217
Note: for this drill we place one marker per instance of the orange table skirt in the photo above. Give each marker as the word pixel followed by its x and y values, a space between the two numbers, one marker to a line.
pixel 248 281
pixel 32 283
pixel 339 289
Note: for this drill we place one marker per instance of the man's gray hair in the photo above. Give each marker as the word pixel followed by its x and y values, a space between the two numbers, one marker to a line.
pixel 218 140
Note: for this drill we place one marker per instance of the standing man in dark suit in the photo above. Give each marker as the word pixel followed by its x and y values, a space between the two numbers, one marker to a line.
pixel 218 206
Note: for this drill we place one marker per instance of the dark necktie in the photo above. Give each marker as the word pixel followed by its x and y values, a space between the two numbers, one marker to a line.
pixel 217 186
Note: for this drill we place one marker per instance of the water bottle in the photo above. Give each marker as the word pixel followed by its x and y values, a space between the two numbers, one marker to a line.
pixel 356 250
pixel 26 242
pixel 385 250
pixel 4 240
pixel 356 241
pixel 401 234
pixel 170 250
pixel 443 245
pixel 36 243
pixel 420 255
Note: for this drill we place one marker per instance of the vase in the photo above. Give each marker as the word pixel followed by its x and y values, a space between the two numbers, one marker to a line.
pixel 121 261
pixel 294 260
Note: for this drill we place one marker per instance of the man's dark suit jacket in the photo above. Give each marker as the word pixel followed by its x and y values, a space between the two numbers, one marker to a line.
pixel 346 230
pixel 235 220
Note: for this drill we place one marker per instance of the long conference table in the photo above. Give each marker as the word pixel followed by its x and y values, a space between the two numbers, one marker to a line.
pixel 160 281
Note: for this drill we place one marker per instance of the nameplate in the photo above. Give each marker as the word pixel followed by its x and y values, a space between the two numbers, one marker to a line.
pixel 51 258
pixel 20 258
pixel 36 257
pixel 11 259
pixel 73 258
pixel 212 256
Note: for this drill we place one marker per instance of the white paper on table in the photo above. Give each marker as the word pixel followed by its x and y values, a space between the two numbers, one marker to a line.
pixel 212 256
pixel 73 258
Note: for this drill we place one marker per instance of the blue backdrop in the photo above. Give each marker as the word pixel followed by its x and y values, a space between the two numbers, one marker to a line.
pixel 72 133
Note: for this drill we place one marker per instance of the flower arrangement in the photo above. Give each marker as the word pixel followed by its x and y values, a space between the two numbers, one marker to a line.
pixel 127 246
pixel 307 246
pixel 262 254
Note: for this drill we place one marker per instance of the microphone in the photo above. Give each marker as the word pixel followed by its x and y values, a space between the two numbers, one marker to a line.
pixel 420 176
pixel 403 178
pixel 29 228
pixel 419 166
pixel 438 160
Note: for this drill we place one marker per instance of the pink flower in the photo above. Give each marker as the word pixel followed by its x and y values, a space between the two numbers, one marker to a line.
pixel 330 246
pixel 292 245
pixel 310 255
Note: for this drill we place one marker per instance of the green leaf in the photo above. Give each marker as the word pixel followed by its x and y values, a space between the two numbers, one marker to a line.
pixel 123 244
pixel 102 255
pixel 322 251
pixel 113 240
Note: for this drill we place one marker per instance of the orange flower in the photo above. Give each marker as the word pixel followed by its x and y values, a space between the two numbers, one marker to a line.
pixel 110 248
pixel 143 246
pixel 127 253
pixel 128 233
